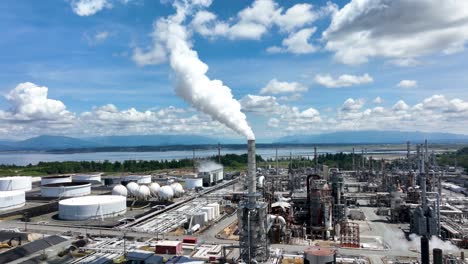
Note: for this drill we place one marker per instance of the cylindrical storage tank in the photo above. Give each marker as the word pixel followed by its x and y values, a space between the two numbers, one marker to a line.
pixel 209 212
pixel 15 183
pixel 55 179
pixel 216 209
pixel 319 255
pixel 119 189
pixel 437 256
pixel 92 207
pixel 140 179
pixel 12 199
pixel 166 193
pixel 91 178
pixel 143 192
pixel 193 183
pixel 154 189
pixel 177 188
pixel 66 189
pixel 132 188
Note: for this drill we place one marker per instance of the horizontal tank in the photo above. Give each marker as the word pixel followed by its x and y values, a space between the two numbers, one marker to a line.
pixel 192 183
pixel 140 179
pixel 55 179
pixel 119 189
pixel 12 200
pixel 92 207
pixel 89 178
pixel 15 183
pixel 66 189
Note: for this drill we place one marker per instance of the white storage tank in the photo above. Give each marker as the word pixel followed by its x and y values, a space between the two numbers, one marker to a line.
pixel 140 179
pixel 66 189
pixel 89 178
pixel 209 212
pixel 119 189
pixel 15 183
pixel 178 189
pixel 197 218
pixel 55 179
pixel 192 183
pixel 215 208
pixel 132 187
pixel 166 193
pixel 154 189
pixel 143 192
pixel 92 207
pixel 12 200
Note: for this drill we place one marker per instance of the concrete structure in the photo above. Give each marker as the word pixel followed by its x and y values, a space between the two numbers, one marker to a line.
pixel 192 183
pixel 140 179
pixel 66 189
pixel 168 247
pixel 89 178
pixel 15 183
pixel 92 207
pixel 56 179
pixel 11 200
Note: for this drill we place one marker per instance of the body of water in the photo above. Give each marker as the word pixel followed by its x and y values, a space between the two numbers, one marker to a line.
pixel 22 159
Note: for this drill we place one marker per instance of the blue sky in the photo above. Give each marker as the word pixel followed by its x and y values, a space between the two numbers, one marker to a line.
pixel 86 59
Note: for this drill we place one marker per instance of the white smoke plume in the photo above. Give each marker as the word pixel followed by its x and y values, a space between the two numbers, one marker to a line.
pixel 399 242
pixel 193 85
pixel 208 165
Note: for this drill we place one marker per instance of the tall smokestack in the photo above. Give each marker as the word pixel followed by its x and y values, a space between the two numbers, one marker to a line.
pixel 252 171
pixel 424 250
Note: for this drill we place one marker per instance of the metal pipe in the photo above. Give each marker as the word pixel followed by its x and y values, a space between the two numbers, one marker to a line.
pixel 424 250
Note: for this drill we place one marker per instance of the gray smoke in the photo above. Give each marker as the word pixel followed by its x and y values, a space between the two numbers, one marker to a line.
pixel 193 85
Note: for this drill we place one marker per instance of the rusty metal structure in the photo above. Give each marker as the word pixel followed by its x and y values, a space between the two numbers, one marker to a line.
pixel 349 235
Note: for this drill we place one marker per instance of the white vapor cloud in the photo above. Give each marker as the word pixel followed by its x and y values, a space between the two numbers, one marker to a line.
pixel 398 30
pixel 277 87
pixel 345 80
pixel 407 84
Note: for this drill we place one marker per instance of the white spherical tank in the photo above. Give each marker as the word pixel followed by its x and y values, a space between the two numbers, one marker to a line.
pixel 119 189
pixel 66 189
pixel 154 188
pixel 92 207
pixel 55 179
pixel 91 178
pixel 12 199
pixel 132 187
pixel 166 193
pixel 143 192
pixel 140 179
pixel 15 183
pixel 177 188
pixel 193 183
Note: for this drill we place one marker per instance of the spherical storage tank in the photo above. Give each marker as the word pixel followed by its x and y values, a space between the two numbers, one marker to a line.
pixel 11 200
pixel 55 179
pixel 90 178
pixel 166 193
pixel 16 183
pixel 177 188
pixel 119 189
pixel 92 207
pixel 132 187
pixel 66 189
pixel 140 179
pixel 193 183
pixel 154 189
pixel 143 192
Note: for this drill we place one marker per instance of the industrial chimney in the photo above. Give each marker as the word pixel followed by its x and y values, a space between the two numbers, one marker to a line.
pixel 424 250
pixel 251 170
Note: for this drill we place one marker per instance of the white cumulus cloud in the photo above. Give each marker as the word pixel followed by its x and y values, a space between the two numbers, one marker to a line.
pixel 278 87
pixel 344 80
pixel 407 84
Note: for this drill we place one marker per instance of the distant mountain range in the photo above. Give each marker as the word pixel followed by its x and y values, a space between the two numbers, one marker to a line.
pixel 121 143
pixel 374 137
